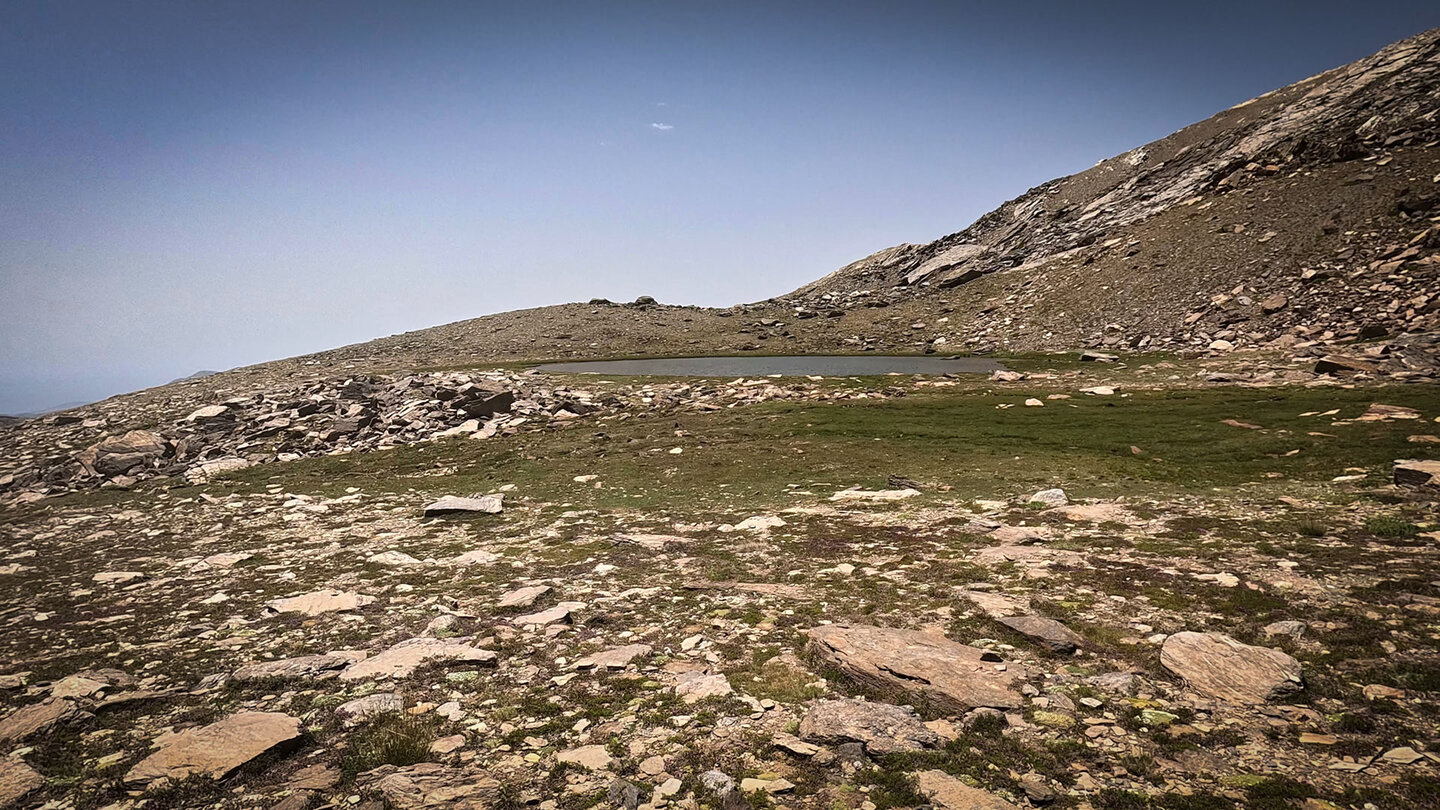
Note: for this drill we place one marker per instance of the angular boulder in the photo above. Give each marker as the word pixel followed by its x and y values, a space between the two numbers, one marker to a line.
pixel 614 658
pixel 1414 473
pixel 17 779
pixel 306 666
pixel 1220 667
pixel 949 793
pixel 404 658
pixel 318 602
pixel 1048 633
pixel 432 785
pixel 360 709
pixel 453 505
pixel 882 727
pixel 952 677
pixel 216 750
pixel 36 718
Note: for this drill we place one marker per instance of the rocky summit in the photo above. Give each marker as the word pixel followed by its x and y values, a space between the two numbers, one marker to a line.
pixel 1182 550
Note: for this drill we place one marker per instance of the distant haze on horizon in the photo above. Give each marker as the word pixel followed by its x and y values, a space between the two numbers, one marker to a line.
pixel 207 185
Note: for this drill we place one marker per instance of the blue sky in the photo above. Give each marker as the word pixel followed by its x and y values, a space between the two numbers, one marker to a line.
pixel 205 185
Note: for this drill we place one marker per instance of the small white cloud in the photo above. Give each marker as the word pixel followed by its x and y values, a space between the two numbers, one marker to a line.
pixel 663 127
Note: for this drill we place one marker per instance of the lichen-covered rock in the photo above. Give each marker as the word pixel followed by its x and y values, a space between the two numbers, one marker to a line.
pixel 883 728
pixel 949 676
pixel 215 750
pixel 1220 667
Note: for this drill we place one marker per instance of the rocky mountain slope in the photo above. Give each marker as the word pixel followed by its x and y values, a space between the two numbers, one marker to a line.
pixel 1316 196
pixel 1299 220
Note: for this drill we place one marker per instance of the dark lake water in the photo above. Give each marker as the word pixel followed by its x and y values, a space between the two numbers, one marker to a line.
pixel 817 365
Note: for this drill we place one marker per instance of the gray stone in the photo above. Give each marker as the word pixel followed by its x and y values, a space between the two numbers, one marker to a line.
pixel 883 728
pixel 952 677
pixel 1049 633
pixel 308 666
pixel 360 709
pixel 453 505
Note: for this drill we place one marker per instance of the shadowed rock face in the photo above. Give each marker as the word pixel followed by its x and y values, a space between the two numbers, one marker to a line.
pixel 950 676
pixel 1221 667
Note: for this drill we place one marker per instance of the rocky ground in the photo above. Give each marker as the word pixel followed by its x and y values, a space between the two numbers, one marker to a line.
pixel 1148 583
pixel 1194 568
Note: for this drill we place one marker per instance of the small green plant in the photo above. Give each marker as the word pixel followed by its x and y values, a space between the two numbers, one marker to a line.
pixel 391 739
pixel 1391 526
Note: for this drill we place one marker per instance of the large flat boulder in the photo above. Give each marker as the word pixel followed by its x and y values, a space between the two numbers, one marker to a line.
pixel 1220 667
pixel 1046 632
pixel 318 602
pixel 37 717
pixel 215 750
pixel 310 667
pixel 404 658
pixel 454 505
pixel 946 675
pixel 1417 473
pixel 17 779
pixel 883 728
pixel 429 784
pixel 949 793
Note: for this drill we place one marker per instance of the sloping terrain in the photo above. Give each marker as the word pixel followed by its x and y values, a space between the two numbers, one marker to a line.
pixel 1197 571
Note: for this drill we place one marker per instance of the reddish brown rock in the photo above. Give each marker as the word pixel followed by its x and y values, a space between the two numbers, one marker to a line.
pixel 1220 667
pixel 946 675
pixel 215 750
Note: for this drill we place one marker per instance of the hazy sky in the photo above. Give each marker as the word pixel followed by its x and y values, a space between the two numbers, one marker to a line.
pixel 204 184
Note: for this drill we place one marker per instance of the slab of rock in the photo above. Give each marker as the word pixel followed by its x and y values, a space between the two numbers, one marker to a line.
pixel 17 779
pixel 479 556
pixel 207 471
pixel 206 413
pixel 997 555
pixel 594 757
pixel 117 577
pixel 402 660
pixel 307 666
pixel 1052 498
pixel 360 709
pixel 37 717
pixel 950 793
pixel 874 496
pixel 1220 667
pixel 215 750
pixel 392 558
pixel 430 784
pixel 559 613
pixel 882 727
pixel 1413 473
pixel 994 605
pixel 697 688
pixel 523 597
pixel 318 602
pixel 453 505
pixel 1048 633
pixel 1339 364
pixel 614 658
pixel 952 677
